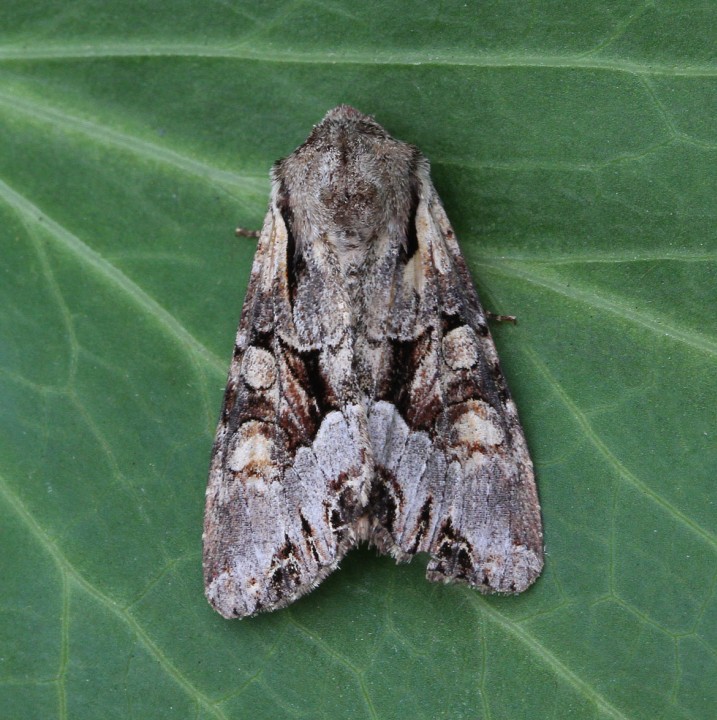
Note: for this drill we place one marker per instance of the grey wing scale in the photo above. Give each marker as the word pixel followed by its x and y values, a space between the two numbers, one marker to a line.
pixel 454 477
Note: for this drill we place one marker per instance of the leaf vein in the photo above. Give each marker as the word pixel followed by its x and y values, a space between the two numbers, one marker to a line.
pixel 110 272
pixel 612 305
pixel 274 55
pixel 65 566
pixel 612 460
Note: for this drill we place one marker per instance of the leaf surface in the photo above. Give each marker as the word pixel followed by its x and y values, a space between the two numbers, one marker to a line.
pixel 574 146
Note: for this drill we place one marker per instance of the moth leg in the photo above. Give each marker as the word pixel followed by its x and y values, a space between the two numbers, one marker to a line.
pixel 501 318
pixel 243 232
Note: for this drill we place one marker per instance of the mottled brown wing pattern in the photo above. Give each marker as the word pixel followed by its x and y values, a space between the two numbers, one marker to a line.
pixel 454 477
pixel 364 400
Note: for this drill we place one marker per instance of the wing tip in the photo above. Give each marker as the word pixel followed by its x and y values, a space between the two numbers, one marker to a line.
pixel 509 575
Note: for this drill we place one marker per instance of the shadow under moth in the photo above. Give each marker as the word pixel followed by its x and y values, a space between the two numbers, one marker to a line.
pixel 365 401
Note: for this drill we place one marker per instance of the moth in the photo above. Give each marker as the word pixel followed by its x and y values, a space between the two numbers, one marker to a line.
pixel 365 401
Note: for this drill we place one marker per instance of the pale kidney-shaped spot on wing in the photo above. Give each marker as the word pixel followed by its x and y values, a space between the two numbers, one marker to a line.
pixel 460 349
pixel 479 424
pixel 250 453
pixel 258 368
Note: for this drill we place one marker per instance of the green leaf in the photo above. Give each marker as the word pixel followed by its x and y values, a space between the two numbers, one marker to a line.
pixel 575 148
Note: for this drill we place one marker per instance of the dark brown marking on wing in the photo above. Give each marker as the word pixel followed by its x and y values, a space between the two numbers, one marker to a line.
pixel 454 553
pixel 410 246
pixel 398 386
pixel 424 521
pixel 307 396
pixel 308 534
pixel 384 494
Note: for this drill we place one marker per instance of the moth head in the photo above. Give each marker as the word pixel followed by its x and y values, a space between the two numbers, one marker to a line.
pixel 346 113
pixel 350 181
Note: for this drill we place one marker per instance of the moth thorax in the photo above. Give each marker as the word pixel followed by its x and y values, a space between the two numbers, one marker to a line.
pixel 351 250
pixel 356 211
